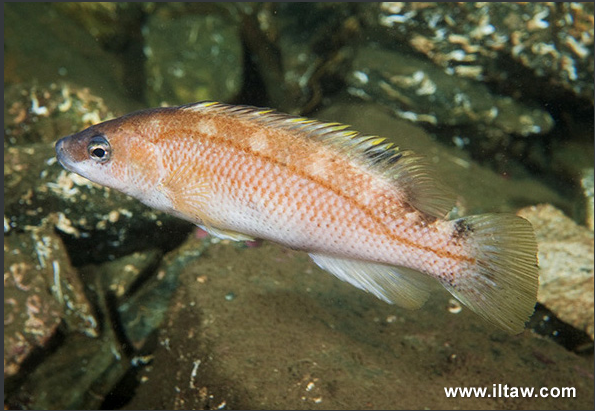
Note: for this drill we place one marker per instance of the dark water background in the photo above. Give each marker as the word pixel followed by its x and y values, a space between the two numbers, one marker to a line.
pixel 111 305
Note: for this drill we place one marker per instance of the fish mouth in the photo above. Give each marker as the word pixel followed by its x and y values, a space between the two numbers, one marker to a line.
pixel 62 154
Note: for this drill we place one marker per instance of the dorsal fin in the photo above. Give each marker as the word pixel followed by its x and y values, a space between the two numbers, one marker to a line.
pixel 408 170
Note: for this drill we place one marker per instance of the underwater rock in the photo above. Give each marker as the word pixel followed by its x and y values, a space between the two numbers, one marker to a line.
pixel 122 277
pixel 132 295
pixel 565 266
pixel 307 52
pixel 421 92
pixel 192 57
pixel 35 113
pixel 142 309
pixel 116 29
pixel 99 18
pixel 78 374
pixel 57 48
pixel 491 41
pixel 31 314
pixel 41 290
pixel 536 59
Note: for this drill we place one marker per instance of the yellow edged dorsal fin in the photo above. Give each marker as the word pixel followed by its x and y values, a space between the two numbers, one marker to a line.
pixel 409 171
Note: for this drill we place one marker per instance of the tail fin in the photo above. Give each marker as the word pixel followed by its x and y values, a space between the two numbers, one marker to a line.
pixel 502 284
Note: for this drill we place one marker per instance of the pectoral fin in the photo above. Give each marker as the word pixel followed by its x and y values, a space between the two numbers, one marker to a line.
pixel 188 193
pixel 395 285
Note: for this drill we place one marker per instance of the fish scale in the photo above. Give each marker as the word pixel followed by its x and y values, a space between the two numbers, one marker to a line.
pixel 365 210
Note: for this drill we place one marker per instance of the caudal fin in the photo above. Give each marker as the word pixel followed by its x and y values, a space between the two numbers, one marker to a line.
pixel 501 286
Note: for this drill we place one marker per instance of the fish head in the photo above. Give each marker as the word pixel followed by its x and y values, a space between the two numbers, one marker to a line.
pixel 116 154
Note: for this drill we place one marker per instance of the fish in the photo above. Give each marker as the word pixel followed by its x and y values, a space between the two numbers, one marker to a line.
pixel 364 209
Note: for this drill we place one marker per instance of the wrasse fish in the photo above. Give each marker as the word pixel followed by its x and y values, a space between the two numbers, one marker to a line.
pixel 365 210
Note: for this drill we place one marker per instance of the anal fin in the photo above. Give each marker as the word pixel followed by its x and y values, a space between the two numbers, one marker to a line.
pixel 226 234
pixel 395 285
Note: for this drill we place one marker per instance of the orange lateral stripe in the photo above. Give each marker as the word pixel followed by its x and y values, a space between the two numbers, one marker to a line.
pixel 366 210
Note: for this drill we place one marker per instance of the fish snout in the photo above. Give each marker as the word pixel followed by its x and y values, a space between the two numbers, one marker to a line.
pixel 60 150
pixel 66 152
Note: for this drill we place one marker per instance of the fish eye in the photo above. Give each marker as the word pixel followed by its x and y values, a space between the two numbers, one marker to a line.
pixel 99 149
